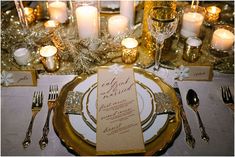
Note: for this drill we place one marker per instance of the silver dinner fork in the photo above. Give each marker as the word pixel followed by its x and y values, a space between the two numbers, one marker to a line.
pixel 227 97
pixel 53 94
pixel 36 107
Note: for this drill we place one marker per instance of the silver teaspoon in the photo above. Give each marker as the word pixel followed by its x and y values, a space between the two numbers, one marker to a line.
pixel 193 102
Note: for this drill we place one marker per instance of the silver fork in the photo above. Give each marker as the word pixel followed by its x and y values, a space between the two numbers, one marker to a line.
pixel 53 94
pixel 227 97
pixel 36 107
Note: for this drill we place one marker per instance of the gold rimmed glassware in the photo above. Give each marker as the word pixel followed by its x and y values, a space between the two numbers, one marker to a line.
pixel 162 23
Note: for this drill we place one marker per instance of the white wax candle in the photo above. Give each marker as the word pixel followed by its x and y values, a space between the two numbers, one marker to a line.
pixel 48 52
pixel 58 11
pixel 21 56
pixel 127 9
pixel 192 22
pixel 222 39
pixel 87 21
pixel 117 24
pixel 192 41
pixel 130 43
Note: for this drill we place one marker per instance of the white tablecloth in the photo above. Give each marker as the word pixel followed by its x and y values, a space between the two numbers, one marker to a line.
pixel 217 118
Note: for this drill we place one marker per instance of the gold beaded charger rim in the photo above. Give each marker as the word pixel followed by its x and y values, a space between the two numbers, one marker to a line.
pixel 76 144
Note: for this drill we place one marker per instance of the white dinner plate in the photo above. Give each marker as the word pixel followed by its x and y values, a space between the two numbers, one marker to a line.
pixel 152 124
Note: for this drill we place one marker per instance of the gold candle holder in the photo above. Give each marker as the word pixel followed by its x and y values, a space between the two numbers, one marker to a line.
pixel 192 49
pixel 212 15
pixel 129 50
pixel 29 15
pixel 49 58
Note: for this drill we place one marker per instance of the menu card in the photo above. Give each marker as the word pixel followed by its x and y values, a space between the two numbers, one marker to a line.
pixel 118 121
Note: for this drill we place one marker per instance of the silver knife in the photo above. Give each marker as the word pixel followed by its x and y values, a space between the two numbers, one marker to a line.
pixel 189 138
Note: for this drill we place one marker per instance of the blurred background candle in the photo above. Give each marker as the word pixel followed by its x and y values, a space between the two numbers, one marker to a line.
pixel 192 20
pixel 117 25
pixel 127 9
pixel 129 51
pixel 212 14
pixel 58 11
pixel 51 24
pixel 29 15
pixel 222 39
pixel 49 58
pixel 87 21
pixel 21 56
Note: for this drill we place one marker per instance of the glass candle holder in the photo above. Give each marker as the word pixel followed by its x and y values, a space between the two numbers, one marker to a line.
pixel 88 19
pixel 58 11
pixel 21 56
pixel 129 50
pixel 49 58
pixel 222 40
pixel 212 15
pixel 192 49
pixel 192 20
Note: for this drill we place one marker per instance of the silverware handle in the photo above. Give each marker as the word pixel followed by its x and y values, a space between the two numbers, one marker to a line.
pixel 202 128
pixel 27 139
pixel 44 140
pixel 189 138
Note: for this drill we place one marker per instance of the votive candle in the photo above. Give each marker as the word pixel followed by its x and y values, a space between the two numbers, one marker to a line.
pixel 192 49
pixel 212 14
pixel 58 11
pixel 117 25
pixel 29 14
pixel 129 51
pixel 21 56
pixel 49 58
pixel 87 21
pixel 222 39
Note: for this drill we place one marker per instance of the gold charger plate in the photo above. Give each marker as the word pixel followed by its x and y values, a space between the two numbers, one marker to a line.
pixel 78 145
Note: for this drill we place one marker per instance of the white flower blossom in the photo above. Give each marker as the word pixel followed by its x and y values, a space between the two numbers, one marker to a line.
pixel 182 72
pixel 115 69
pixel 6 78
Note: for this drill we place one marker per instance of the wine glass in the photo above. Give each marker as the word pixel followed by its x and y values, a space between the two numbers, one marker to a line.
pixel 162 23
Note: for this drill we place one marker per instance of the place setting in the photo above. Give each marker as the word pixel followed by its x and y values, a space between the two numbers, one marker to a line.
pixel 120 77
pixel 81 119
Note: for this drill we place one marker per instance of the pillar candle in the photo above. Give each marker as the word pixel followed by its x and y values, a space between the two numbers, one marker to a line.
pixel 87 21
pixel 192 22
pixel 58 11
pixel 127 9
pixel 222 39
pixel 117 25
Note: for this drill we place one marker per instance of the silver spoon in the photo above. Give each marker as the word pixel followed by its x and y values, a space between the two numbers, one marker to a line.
pixel 193 102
